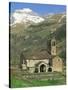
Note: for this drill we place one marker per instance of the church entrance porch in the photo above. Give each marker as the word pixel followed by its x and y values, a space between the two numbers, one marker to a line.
pixel 42 68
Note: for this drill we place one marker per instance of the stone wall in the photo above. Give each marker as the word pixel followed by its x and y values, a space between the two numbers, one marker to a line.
pixel 31 64
pixel 57 64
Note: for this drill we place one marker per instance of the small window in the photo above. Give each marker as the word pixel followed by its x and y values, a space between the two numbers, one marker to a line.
pixel 53 43
pixel 58 59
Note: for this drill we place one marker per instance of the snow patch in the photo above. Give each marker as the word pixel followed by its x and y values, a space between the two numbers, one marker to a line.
pixel 26 15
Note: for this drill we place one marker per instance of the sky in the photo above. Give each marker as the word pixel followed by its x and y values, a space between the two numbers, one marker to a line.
pixel 41 9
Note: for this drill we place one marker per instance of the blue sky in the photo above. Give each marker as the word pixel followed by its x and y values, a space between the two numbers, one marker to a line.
pixel 39 8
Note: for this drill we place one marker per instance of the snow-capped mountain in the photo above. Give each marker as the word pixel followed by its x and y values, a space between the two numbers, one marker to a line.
pixel 25 15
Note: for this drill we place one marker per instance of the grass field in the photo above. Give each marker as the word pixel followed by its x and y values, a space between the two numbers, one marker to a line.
pixel 18 81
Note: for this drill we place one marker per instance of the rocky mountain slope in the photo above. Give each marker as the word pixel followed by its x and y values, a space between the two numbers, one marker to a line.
pixel 35 38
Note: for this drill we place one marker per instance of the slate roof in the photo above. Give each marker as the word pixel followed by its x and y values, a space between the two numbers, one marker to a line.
pixel 39 55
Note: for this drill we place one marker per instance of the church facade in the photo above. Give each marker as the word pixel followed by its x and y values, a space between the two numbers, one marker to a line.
pixel 43 61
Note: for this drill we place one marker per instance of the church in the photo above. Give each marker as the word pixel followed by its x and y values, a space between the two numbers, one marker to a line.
pixel 43 61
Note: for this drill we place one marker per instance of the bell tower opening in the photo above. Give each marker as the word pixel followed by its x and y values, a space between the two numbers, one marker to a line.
pixel 53 47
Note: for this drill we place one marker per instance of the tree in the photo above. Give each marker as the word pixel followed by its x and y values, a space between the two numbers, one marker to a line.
pixel 22 60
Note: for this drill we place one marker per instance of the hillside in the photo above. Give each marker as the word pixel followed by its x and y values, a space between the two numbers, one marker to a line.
pixel 35 37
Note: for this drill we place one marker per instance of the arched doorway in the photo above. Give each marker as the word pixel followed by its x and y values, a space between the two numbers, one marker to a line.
pixel 42 68
pixel 50 69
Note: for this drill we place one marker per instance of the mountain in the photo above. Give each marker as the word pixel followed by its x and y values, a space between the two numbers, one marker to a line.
pixel 25 16
pixel 36 37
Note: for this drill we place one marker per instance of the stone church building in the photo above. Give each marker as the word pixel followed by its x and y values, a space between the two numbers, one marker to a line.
pixel 43 61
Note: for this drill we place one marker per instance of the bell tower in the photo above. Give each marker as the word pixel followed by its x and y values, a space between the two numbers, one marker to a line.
pixel 53 46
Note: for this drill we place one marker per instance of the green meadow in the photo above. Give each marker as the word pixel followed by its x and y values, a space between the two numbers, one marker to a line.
pixel 20 81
